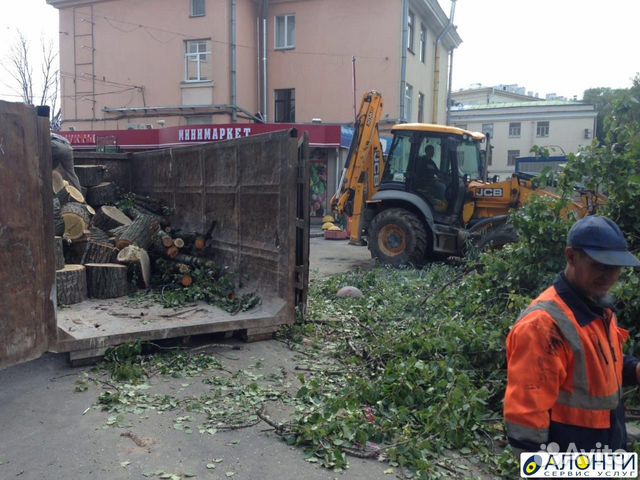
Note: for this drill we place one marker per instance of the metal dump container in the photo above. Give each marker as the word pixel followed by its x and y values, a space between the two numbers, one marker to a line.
pixel 255 189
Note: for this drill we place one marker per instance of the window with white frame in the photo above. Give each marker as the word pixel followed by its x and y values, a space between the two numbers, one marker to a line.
pixel 515 129
pixel 542 129
pixel 420 107
pixel 511 157
pixel 197 8
pixel 197 60
pixel 487 129
pixel 423 43
pixel 408 100
pixel 411 20
pixel 285 31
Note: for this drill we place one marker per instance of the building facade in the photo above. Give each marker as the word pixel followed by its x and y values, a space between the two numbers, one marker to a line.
pixel 134 63
pixel 516 124
pixel 153 64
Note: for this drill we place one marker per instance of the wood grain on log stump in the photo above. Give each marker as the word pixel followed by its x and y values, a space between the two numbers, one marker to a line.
pixel 69 194
pixel 90 175
pixel 71 284
pixel 58 221
pixel 107 218
pixel 58 252
pixel 106 280
pixel 76 219
pixel 105 193
pixel 57 182
pixel 165 238
pixel 138 262
pixel 141 233
pixel 178 242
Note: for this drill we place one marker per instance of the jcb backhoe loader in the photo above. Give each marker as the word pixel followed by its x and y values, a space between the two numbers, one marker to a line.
pixel 430 196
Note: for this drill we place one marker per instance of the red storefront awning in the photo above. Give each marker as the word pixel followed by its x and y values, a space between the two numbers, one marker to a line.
pixel 327 136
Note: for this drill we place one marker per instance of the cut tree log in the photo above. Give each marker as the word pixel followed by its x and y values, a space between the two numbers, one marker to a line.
pixel 137 259
pixel 106 280
pixel 172 252
pixel 95 252
pixel 69 194
pixel 58 221
pixel 141 233
pixel 196 262
pixel 107 218
pixel 178 242
pixel 90 175
pixel 200 243
pixel 135 212
pixel 71 284
pixel 57 182
pixel 76 218
pixel 105 193
pixel 58 252
pixel 165 238
pixel 186 280
pixel 98 236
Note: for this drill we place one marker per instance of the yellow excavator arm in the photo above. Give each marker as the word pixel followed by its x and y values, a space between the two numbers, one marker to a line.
pixel 364 165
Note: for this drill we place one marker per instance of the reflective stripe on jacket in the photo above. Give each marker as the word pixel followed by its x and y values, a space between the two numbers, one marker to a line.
pixel 561 372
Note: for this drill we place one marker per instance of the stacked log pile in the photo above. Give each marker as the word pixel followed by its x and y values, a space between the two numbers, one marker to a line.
pixel 103 251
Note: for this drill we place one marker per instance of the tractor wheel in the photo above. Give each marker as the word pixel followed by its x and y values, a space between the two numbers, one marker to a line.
pixel 398 237
pixel 498 237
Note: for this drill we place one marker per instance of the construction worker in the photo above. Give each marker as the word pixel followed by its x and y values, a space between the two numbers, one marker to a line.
pixel 565 366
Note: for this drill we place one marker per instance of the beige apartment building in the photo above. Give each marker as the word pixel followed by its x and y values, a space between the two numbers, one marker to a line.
pixel 155 63
pixel 561 127
pixel 518 121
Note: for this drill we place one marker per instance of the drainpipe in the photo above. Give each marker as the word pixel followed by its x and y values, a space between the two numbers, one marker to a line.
pixel 448 107
pixel 403 63
pixel 436 66
pixel 265 37
pixel 234 61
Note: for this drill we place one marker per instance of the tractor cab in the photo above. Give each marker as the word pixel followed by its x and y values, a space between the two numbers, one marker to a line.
pixel 434 163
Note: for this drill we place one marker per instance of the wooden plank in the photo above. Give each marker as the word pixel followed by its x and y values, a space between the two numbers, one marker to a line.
pixel 26 231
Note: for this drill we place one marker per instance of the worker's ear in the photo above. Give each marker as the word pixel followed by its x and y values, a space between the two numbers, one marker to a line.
pixel 570 254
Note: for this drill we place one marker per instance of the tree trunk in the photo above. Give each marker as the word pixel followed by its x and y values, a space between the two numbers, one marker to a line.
pixel 76 220
pixel 98 236
pixel 105 193
pixel 90 175
pixel 99 253
pixel 58 252
pixel 107 218
pixel 139 265
pixel 140 233
pixel 71 284
pixel 106 280
pixel 58 221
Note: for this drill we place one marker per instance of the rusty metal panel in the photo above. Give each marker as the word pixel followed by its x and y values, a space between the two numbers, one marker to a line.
pixel 27 276
pixel 248 188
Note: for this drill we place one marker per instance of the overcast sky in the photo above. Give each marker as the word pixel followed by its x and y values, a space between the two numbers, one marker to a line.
pixel 547 46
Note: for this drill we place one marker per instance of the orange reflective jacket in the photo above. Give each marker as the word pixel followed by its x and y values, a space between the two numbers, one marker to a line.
pixel 561 372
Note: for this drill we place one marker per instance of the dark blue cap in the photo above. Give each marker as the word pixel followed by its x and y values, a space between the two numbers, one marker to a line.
pixel 602 240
